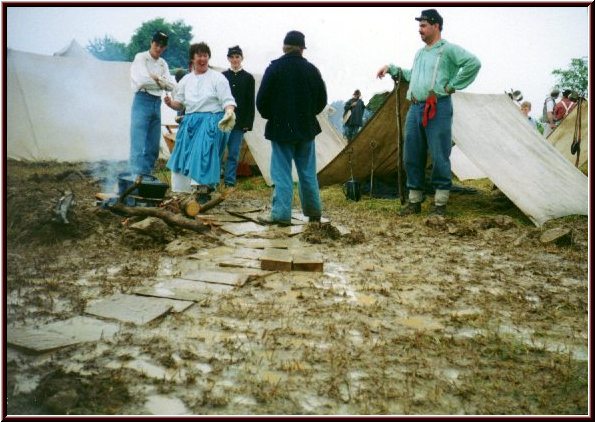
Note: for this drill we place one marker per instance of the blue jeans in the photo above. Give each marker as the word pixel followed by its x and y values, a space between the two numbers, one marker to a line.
pixel 234 141
pixel 436 137
pixel 304 155
pixel 145 131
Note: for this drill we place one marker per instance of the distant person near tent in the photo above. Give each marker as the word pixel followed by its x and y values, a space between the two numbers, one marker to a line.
pixel 549 122
pixel 439 69
pixel 243 90
pixel 291 95
pixel 526 109
pixel 150 77
pixel 195 162
pixel 353 115
pixel 563 107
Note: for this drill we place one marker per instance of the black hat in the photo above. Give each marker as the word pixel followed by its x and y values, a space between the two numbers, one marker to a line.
pixel 295 38
pixel 234 50
pixel 430 15
pixel 160 38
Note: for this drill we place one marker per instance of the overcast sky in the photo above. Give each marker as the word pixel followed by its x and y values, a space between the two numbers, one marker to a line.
pixel 518 46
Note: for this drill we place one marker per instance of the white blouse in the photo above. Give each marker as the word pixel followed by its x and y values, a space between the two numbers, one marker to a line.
pixel 140 70
pixel 208 92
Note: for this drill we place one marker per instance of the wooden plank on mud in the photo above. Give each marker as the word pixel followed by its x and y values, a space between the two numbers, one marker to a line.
pixel 183 289
pixel 248 253
pixel 130 308
pixel 240 263
pixel 305 261
pixel 262 243
pixel 219 277
pixel 59 334
pixel 276 260
pixel 240 229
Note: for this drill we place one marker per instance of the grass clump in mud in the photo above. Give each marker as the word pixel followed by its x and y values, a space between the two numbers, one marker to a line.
pixel 61 393
pixel 508 377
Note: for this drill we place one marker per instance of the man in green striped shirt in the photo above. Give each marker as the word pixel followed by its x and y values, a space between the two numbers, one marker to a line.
pixel 439 69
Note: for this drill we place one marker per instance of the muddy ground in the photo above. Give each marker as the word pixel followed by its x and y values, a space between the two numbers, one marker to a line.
pixel 470 314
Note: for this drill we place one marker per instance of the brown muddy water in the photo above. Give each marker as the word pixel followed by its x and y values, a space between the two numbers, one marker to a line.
pixel 411 316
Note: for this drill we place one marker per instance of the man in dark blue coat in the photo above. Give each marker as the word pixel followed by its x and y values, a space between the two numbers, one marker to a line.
pixel 291 94
pixel 355 120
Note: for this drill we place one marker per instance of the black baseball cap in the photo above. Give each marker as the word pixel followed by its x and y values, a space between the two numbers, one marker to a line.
pixel 160 37
pixel 431 16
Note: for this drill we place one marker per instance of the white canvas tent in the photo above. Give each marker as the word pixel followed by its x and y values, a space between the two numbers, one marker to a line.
pixel 68 108
pixel 463 167
pixel 74 49
pixel 492 133
pixel 78 109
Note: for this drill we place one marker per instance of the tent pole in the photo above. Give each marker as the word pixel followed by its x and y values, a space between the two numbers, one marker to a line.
pixel 400 170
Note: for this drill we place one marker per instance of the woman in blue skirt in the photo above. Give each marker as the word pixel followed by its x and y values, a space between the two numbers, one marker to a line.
pixel 206 96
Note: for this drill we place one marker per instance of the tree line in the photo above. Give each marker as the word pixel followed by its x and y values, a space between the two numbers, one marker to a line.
pixel 176 55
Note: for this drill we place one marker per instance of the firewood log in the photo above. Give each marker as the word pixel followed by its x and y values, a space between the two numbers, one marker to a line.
pixel 167 216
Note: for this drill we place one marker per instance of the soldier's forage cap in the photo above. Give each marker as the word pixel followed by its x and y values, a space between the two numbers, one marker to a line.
pixel 234 50
pixel 160 38
pixel 295 38
pixel 431 16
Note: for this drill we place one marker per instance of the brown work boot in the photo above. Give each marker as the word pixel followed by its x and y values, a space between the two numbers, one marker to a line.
pixel 411 208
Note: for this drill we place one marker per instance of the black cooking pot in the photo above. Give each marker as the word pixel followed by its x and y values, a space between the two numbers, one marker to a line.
pixel 150 187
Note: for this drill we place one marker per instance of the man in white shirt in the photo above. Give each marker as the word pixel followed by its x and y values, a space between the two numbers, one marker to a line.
pixel 150 77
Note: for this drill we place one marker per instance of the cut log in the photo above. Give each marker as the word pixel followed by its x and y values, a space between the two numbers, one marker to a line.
pixel 167 216
pixel 190 207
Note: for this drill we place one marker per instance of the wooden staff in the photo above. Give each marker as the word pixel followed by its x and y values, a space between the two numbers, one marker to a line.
pixel 400 169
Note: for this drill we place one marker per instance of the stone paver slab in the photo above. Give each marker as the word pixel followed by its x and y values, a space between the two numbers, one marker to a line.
pixel 130 308
pixel 60 333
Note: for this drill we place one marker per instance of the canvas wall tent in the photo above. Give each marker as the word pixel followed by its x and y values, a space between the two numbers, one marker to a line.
pixel 78 109
pixel 462 167
pixel 68 108
pixel 492 134
pixel 561 138
pixel 375 146
pixel 74 49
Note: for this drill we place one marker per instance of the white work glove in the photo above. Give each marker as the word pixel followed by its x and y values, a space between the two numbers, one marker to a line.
pixel 228 121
